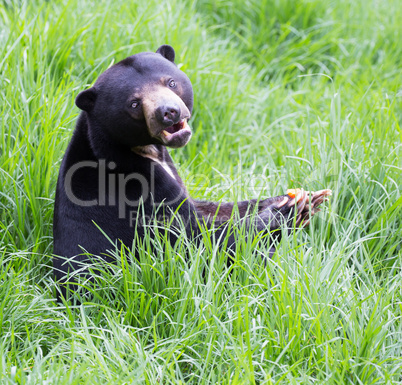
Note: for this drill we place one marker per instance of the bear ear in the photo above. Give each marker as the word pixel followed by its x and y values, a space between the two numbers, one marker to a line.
pixel 167 52
pixel 86 99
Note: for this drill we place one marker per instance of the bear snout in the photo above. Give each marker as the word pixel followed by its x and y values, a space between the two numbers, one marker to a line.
pixel 168 114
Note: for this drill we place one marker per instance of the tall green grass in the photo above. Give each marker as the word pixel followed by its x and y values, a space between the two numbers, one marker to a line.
pixel 299 93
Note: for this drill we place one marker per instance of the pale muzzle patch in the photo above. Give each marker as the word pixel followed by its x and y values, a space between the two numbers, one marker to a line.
pixel 177 135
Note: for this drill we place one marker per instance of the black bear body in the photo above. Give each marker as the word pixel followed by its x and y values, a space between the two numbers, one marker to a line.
pixel 117 171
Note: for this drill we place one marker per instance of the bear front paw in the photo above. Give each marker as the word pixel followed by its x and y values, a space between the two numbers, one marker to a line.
pixel 300 203
pixel 306 203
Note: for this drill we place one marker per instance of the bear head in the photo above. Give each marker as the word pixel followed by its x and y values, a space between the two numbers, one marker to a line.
pixel 144 99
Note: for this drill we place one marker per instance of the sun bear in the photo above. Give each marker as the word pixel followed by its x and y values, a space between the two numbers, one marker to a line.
pixel 117 172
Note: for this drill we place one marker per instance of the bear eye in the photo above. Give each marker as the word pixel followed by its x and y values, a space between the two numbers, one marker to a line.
pixel 135 104
pixel 172 83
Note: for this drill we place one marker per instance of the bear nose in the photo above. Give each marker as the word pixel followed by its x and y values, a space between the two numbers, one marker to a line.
pixel 168 114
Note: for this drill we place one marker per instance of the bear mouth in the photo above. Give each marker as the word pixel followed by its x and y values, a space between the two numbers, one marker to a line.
pixel 175 128
pixel 176 135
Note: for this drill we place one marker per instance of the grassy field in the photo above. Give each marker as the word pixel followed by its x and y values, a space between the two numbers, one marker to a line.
pixel 303 93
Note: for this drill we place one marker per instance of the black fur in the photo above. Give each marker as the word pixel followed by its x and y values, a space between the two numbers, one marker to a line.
pixel 112 138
